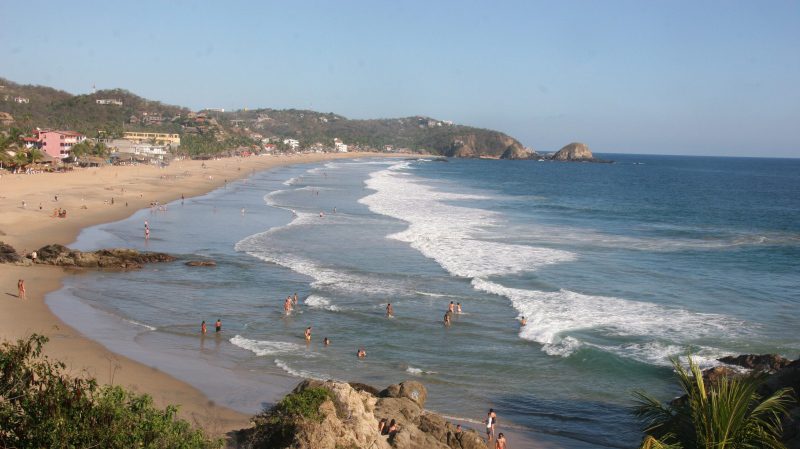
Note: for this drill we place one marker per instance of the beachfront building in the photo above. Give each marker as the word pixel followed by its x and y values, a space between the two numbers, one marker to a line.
pixel 55 143
pixel 146 149
pixel 340 146
pixel 293 143
pixel 158 138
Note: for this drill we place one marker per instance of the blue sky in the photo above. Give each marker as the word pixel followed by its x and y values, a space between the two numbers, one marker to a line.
pixel 668 77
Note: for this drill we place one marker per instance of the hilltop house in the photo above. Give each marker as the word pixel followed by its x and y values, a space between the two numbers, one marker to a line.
pixel 293 143
pixel 341 147
pixel 55 143
pixel 113 101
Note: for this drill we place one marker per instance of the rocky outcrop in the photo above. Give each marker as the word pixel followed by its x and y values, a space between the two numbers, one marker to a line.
pixel 105 258
pixel 517 152
pixel 201 263
pixel 8 254
pixel 489 144
pixel 350 418
pixel 779 373
pixel 575 151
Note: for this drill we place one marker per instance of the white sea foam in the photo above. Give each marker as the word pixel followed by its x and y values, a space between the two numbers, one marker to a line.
pixel 300 373
pixel 320 302
pixel 449 233
pixel 554 317
pixel 265 347
pixel 418 371
pixel 136 323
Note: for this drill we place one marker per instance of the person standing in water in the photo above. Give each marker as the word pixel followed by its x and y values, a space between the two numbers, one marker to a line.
pixel 294 299
pixel 203 329
pixel 287 305
pixel 362 353
pixel 326 341
pixel 501 441
pixel 458 308
pixel 308 333
pixel 523 321
pixel 389 310
pixel 218 326
pixel 452 307
pixel 447 319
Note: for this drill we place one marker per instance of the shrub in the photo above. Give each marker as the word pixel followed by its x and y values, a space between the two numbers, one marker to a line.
pixel 41 406
pixel 276 427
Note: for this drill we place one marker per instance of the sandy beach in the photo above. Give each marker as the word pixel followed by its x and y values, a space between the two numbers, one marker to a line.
pixel 86 195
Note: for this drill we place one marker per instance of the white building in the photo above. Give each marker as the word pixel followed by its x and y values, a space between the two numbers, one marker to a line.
pixel 340 146
pixel 293 143
pixel 139 148
pixel 113 101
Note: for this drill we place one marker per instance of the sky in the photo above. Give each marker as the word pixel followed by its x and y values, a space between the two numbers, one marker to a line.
pixel 661 77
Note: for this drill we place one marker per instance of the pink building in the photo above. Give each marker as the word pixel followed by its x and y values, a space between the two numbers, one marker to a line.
pixel 57 143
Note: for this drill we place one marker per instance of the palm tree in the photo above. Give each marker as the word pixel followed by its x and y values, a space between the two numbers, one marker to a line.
pixel 35 155
pixel 726 414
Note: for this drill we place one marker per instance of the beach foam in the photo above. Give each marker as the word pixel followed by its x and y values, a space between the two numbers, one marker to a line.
pixel 553 316
pixel 448 233
pixel 265 347
pixel 320 302
pixel 299 372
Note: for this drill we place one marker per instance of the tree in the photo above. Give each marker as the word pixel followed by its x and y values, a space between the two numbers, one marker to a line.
pixel 42 406
pixel 725 414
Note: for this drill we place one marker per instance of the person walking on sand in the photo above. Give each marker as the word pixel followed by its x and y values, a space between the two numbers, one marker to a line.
pixel 203 329
pixel 308 333
pixel 218 326
pixel 21 288
pixel 389 310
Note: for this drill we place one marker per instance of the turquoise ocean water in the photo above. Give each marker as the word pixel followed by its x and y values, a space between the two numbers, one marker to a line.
pixel 616 267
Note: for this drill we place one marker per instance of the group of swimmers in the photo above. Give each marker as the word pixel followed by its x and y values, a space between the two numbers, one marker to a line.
pixel 453 308
pixel 289 303
pixel 217 326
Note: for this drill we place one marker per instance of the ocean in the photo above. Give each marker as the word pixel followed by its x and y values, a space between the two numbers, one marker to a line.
pixel 616 267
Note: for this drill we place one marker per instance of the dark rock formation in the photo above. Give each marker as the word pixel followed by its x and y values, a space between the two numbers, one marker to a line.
pixel 105 258
pixel 350 420
pixel 8 254
pixel 764 362
pixel 201 263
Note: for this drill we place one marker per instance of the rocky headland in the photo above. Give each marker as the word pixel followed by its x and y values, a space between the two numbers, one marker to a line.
pixel 337 415
pixel 573 152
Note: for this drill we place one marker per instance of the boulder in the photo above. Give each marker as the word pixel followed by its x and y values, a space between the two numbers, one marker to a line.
pixel 765 362
pixel 409 389
pixel 517 152
pixel 718 372
pixel 575 151
pixel 8 254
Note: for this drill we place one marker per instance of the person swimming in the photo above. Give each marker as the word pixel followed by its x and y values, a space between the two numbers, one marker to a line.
pixel 389 310
pixel 326 341
pixel 362 353
pixel 446 319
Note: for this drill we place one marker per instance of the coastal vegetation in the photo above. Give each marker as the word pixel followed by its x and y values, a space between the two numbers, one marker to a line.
pixel 720 413
pixel 41 405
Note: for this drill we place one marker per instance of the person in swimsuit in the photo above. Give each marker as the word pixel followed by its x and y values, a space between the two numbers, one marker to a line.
pixel 447 318
pixel 294 300
pixel 523 321
pixel 458 308
pixel 21 288
pixel 490 422
pixel 326 341
pixel 147 233
pixel 287 305
pixel 218 326
pixel 203 327
pixel 501 441
pixel 451 308
pixel 389 310
pixel 392 429
pixel 308 333
pixel 361 353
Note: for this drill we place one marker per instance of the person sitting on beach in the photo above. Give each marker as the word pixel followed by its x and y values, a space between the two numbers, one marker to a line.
pixel 523 321
pixel 392 429
pixel 218 326
pixel 361 353
pixel 203 327
pixel 326 341
pixel 381 425
pixel 501 441
pixel 308 333
pixel 389 310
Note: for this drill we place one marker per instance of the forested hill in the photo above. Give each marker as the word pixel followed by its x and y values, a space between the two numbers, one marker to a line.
pixel 414 133
pixel 45 107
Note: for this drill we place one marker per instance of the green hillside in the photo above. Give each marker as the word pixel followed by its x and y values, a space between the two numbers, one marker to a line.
pixel 221 131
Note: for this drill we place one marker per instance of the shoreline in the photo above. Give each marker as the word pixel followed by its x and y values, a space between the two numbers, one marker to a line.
pixel 132 188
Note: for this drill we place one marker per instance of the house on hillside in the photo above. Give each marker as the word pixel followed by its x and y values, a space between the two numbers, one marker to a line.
pixel 113 101
pixel 22 100
pixel 55 143
pixel 340 146
pixel 293 143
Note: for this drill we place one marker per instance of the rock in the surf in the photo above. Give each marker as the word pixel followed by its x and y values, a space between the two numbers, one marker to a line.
pixel 201 263
pixel 105 258
pixel 758 362
pixel 575 151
